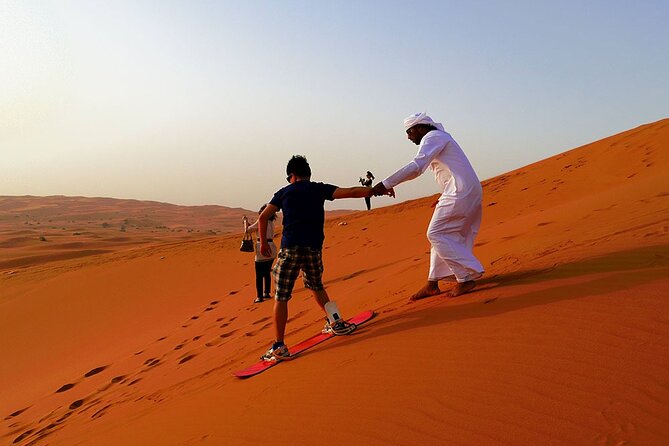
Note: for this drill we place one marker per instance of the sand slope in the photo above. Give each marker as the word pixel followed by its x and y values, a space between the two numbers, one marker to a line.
pixel 566 340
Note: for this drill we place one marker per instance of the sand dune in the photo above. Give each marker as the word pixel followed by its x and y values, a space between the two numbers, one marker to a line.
pixel 565 340
pixel 37 230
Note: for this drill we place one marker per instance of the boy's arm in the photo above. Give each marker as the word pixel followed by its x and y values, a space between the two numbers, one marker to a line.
pixel 352 192
pixel 361 192
pixel 269 211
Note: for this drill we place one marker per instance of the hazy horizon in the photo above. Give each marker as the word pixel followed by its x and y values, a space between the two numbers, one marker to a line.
pixel 197 103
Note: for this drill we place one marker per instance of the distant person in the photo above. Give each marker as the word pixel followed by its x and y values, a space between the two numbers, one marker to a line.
pixel 263 264
pixel 457 215
pixel 302 203
pixel 367 182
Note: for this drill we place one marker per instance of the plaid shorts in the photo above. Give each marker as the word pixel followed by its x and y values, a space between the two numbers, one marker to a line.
pixel 289 263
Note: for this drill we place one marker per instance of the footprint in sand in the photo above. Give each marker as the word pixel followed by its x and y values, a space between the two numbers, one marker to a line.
pixel 260 321
pixel 101 412
pixel 291 319
pixel 65 388
pixel 77 404
pixel 152 362
pixel 213 343
pixel 255 332
pixel 215 302
pixel 16 414
pixel 23 436
pixel 117 379
pixel 95 371
pixel 187 358
pixel 230 333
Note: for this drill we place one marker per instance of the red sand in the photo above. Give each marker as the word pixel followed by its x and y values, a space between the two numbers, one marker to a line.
pixel 565 340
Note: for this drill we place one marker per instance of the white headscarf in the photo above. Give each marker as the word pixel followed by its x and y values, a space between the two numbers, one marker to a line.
pixel 421 118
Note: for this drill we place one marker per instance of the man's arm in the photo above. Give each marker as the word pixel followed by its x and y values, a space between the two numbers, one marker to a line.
pixel 269 211
pixel 431 145
pixel 352 192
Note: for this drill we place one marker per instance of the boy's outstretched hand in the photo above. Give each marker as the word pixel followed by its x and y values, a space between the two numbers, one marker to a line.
pixel 380 189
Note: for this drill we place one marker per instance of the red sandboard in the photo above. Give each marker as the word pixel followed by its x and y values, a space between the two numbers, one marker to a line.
pixel 299 348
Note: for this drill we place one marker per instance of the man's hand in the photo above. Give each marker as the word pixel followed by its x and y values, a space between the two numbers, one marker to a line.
pixel 380 189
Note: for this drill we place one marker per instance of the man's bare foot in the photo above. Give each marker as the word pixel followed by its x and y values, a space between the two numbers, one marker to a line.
pixel 462 288
pixel 431 289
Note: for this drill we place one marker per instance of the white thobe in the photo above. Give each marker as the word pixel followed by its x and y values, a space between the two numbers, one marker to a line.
pixel 457 216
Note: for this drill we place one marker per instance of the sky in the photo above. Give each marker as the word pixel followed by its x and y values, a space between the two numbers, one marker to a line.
pixel 203 102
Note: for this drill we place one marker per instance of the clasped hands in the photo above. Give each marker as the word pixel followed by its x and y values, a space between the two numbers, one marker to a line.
pixel 380 189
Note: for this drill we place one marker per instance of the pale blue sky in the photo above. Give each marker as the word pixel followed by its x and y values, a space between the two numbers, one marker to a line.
pixel 203 102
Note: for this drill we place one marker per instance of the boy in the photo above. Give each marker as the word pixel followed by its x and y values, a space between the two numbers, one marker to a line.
pixel 302 203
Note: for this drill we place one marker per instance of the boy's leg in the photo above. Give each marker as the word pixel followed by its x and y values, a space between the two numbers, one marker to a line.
pixel 312 267
pixel 280 319
pixel 312 270
pixel 321 297
pixel 285 273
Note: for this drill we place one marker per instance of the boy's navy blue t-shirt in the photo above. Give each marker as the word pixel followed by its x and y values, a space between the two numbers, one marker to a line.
pixel 302 204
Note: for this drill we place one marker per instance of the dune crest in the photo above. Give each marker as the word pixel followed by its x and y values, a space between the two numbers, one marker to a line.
pixel 564 341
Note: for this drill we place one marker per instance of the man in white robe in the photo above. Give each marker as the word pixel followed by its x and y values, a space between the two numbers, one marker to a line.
pixel 457 215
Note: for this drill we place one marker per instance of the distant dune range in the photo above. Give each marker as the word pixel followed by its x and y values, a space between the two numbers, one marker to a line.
pixel 565 341
pixel 39 229
pixel 36 230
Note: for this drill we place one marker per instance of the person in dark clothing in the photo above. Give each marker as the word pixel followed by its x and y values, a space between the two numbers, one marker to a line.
pixel 367 182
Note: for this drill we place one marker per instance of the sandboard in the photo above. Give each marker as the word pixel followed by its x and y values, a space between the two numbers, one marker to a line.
pixel 296 349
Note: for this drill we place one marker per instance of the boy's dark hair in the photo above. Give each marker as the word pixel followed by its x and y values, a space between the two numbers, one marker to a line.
pixel 298 166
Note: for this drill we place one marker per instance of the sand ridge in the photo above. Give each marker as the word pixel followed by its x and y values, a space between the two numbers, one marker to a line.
pixel 565 340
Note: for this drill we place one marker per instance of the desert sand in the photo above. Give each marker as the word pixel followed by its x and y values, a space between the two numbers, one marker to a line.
pixel 565 341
